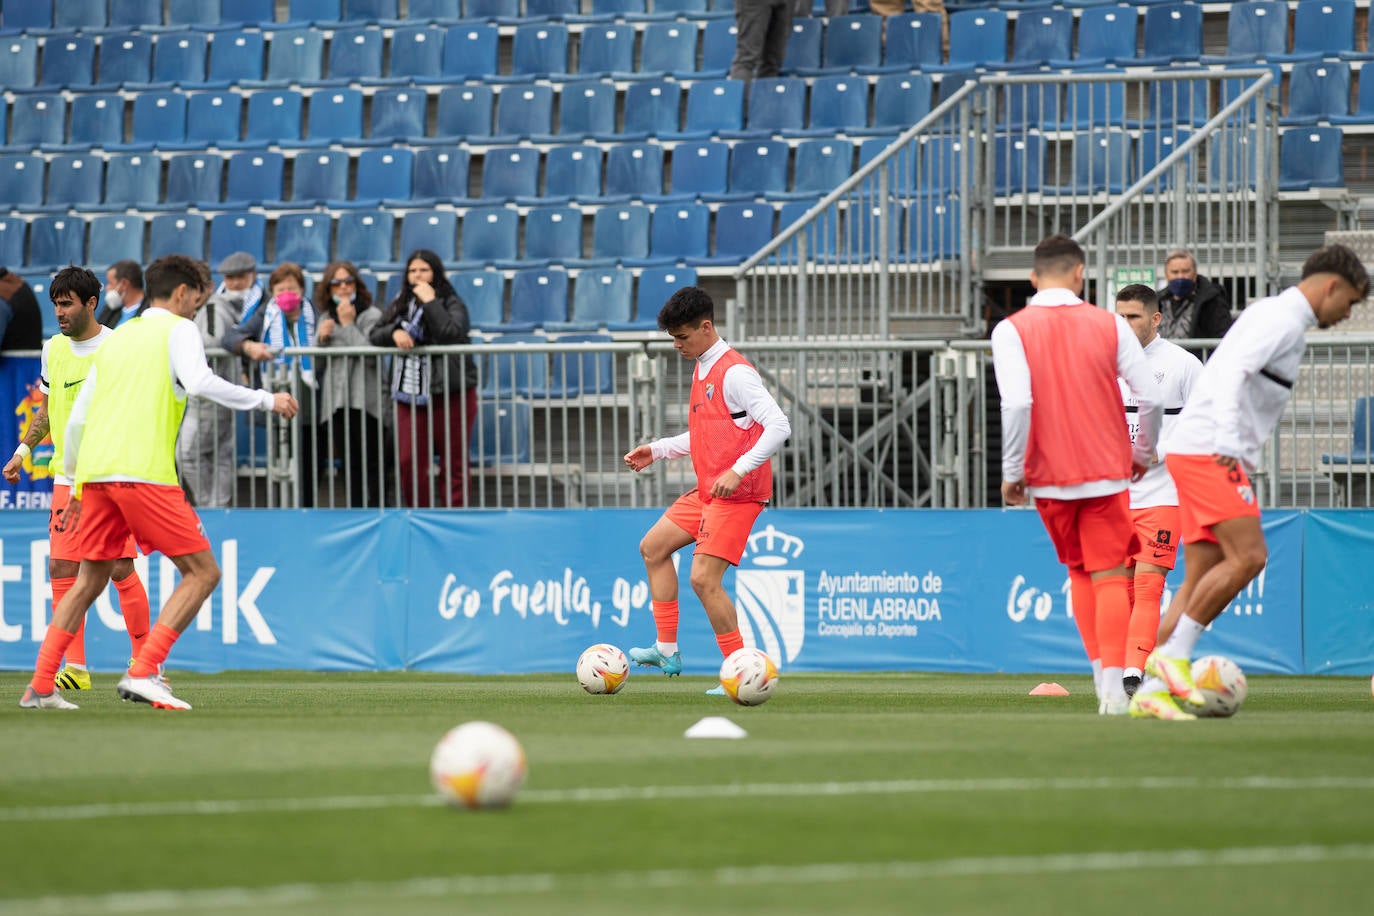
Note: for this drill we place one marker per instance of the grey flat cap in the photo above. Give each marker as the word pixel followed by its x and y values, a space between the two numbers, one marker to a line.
pixel 240 262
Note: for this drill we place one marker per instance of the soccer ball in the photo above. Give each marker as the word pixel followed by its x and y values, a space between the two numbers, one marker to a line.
pixel 478 765
pixel 602 668
pixel 1222 684
pixel 748 676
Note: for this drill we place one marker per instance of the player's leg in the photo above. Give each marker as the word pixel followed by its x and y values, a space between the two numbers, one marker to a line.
pixel 1085 618
pixel 64 560
pixel 133 603
pixel 1061 518
pixel 1157 528
pixel 1107 540
pixel 721 541
pixel 674 530
pixel 91 580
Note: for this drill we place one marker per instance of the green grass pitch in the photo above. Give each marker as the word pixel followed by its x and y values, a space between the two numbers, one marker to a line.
pixel 285 792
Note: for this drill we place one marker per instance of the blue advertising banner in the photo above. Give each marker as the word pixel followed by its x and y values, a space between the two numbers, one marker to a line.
pixel 1337 601
pixel 19 378
pixel 517 591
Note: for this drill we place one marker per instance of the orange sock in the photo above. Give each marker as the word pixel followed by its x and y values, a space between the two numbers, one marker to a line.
pixel 76 651
pixel 1113 617
pixel 154 651
pixel 1144 626
pixel 729 642
pixel 133 604
pixel 49 659
pixel 1084 610
pixel 665 618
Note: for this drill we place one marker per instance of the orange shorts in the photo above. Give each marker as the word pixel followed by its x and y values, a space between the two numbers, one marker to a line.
pixel 156 515
pixel 1094 533
pixel 1209 493
pixel 66 545
pixel 721 527
pixel 1157 528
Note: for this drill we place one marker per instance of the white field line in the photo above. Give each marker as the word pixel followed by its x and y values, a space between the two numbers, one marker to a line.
pixel 525 885
pixel 211 807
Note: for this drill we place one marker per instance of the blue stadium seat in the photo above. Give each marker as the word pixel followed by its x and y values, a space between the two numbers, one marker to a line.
pixel 383 176
pixel 602 296
pixel 1255 30
pixel 1106 35
pixel 134 13
pixel 335 115
pixel 1101 162
pixel 539 295
pixel 435 9
pixel 115 237
pixel 586 109
pixel 1018 164
pixel 247 12
pixel 133 181
pixel 1089 105
pixel 355 54
pixel 192 179
pixel 1182 103
pixel 913 42
pixel 714 106
pixel 441 173
pixel 490 236
pixel 365 236
pixel 803 46
pixel 776 104
pixel 23 17
pixel 97 120
pixel 862 236
pixel 56 241
pixel 977 38
pixel 37 119
pixel 274 117
pixel 1029 105
pixel 435 230
pixel 651 109
pixel 717 48
pixel 470 51
pixel 192 12
pixel 1041 36
pixel 839 104
pixel 319 176
pixel 606 49
pixel 758 167
pixel 236 57
pixel 13 232
pixel 691 9
pixel 252 177
pixel 572 172
pixel 524 111
pixel 701 169
pixel 465 112
pixel 1173 32
pixel 1231 161
pixel 1318 91
pixel 86 15
pixel 634 170
pixel 68 62
pixel 503 11
pixel 899 101
pixel 819 241
pixel 484 294
pixel 616 9
pixel 853 42
pixel 303 238
pixel 1310 157
pixel 1364 106
pixel 952 82
pixel 18 62
pixel 669 49
pixel 509 172
pixel 176 233
pixel 551 9
pixel 75 182
pixel 741 230
pixel 553 235
pixel 502 433
pixel 21 181
pixel 1154 147
pixel 656 286
pixel 620 233
pixel 821 166
pixel 932 229
pixel 398 114
pixel 212 118
pixel 125 59
pixel 417 53
pixel 1323 29
pixel 540 49
pixel 680 232
pixel 160 120
pixel 323 11
pixel 370 10
pixel 585 371
pixel 295 56
pixel 179 58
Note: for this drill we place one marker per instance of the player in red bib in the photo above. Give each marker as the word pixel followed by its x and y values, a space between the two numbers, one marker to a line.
pixel 734 426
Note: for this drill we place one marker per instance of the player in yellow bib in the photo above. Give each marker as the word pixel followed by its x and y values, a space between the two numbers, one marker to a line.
pixel 125 479
pixel 67 357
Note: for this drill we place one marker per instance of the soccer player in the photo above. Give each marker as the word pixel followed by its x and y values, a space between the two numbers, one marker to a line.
pixel 1215 446
pixel 66 359
pixel 1065 443
pixel 125 480
pixel 733 428
pixel 1154 501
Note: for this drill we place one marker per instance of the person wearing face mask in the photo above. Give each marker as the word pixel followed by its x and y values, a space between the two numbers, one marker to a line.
pixel 123 294
pixel 1192 305
pixel 286 319
pixel 350 387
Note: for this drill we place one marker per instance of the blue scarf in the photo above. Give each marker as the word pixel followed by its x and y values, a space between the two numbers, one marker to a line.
pixel 277 334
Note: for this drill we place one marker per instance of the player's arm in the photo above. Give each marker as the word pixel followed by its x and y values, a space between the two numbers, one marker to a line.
pixel 1135 371
pixel 38 430
pixel 186 355
pixel 744 391
pixel 1014 385
pixel 641 456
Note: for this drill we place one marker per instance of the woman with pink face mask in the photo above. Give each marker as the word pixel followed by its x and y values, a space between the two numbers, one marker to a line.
pixel 285 318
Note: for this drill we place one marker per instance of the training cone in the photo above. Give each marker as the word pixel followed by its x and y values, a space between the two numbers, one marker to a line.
pixel 1048 690
pixel 715 727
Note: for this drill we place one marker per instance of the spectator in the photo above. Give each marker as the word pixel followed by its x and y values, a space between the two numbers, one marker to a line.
pixel 1192 305
pixel 21 323
pixel 123 294
pixel 287 319
pixel 350 388
pixel 763 28
pixel 436 396
pixel 887 8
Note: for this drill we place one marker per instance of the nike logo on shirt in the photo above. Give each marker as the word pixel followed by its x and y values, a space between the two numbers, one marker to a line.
pixel 70 384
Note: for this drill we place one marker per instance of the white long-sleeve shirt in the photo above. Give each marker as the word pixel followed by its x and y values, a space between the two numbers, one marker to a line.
pixel 744 391
pixel 1245 385
pixel 190 374
pixel 1014 384
pixel 1174 371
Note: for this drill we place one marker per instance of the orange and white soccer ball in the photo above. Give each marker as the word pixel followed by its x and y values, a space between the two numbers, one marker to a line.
pixel 478 765
pixel 748 676
pixel 1222 684
pixel 602 668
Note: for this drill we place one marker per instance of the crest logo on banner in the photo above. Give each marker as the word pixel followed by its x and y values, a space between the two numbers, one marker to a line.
pixel 770 597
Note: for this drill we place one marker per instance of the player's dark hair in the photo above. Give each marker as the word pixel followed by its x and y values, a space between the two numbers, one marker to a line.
pixel 1057 255
pixel 130 271
pixel 78 280
pixel 168 272
pixel 690 305
pixel 1139 292
pixel 1341 261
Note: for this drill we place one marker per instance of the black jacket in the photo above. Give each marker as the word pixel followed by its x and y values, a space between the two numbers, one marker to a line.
pixel 110 317
pixel 445 321
pixel 25 330
pixel 1206 313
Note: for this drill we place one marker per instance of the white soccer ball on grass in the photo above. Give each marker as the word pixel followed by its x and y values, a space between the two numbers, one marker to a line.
pixel 478 765
pixel 602 668
pixel 1222 684
pixel 749 676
